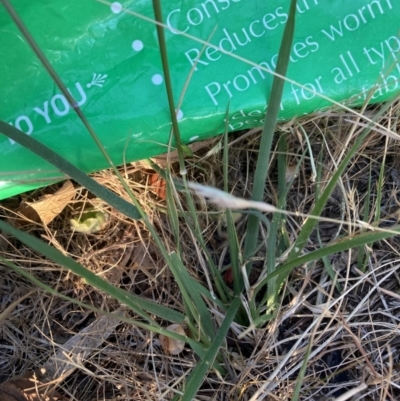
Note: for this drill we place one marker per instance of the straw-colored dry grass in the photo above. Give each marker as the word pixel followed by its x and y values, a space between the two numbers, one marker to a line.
pixel 354 337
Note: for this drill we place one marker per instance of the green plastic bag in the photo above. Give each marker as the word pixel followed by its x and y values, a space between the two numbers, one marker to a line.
pixel 109 59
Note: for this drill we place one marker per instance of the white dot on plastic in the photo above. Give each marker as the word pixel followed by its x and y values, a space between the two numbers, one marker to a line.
pixel 179 115
pixel 116 7
pixel 193 138
pixel 157 79
pixel 137 45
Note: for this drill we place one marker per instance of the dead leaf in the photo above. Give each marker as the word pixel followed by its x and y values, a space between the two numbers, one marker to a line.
pixel 74 352
pixel 29 214
pixel 158 186
pixel 48 207
pixel 228 276
pixel 61 364
pixel 170 345
pixel 90 222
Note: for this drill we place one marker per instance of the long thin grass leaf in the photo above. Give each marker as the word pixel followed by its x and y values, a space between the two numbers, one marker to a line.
pixel 362 251
pixel 234 248
pixel 197 348
pixel 309 224
pixel 300 377
pixel 136 303
pixel 273 292
pixel 194 226
pixel 194 299
pixel 196 378
pixel 172 211
pixel 342 245
pixel 275 97
pixel 273 288
pixel 325 260
pixel 168 84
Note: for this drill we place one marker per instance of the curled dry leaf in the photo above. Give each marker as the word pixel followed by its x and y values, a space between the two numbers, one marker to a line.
pixel 158 186
pixel 70 356
pixel 170 345
pixel 48 207
pixel 38 386
pixel 90 222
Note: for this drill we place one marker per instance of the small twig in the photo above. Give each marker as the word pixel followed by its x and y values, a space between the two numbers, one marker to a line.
pixel 359 346
pixel 380 289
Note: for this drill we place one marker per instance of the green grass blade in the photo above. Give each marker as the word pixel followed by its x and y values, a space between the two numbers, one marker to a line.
pixel 172 211
pixel 136 303
pixel 234 247
pixel 300 377
pixel 263 159
pixel 194 226
pixel 39 284
pixel 207 294
pixel 193 298
pixel 234 253
pixel 327 264
pixel 362 252
pixel 282 241
pixel 168 84
pixel 69 169
pixel 309 224
pixel 272 247
pixel 282 187
pixel 379 187
pixel 339 246
pixel 197 348
pixel 197 376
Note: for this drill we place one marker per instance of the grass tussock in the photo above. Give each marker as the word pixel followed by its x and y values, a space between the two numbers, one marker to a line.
pixel 336 327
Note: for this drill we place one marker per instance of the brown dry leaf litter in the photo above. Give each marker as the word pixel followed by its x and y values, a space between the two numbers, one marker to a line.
pixel 170 345
pixel 49 206
pixel 61 364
